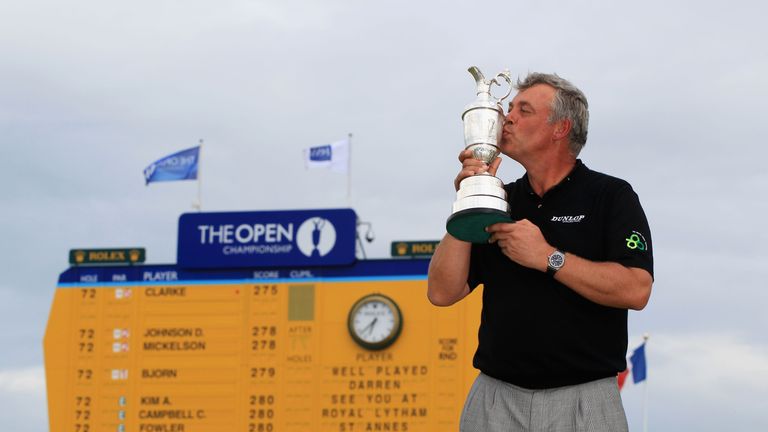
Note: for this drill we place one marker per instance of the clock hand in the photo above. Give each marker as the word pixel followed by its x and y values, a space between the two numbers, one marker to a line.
pixel 369 327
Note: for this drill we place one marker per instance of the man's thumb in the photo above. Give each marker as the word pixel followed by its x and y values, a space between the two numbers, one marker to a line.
pixel 494 166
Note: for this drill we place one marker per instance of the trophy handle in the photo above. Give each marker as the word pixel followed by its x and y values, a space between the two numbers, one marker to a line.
pixel 506 77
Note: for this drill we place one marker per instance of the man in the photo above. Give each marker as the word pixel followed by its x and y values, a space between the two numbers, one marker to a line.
pixel 557 282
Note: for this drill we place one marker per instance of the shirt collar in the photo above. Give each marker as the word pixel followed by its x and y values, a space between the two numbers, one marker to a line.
pixel 577 172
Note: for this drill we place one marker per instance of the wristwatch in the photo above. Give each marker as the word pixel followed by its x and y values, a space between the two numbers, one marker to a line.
pixel 555 261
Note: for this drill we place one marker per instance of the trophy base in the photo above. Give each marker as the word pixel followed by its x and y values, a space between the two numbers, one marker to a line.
pixel 469 225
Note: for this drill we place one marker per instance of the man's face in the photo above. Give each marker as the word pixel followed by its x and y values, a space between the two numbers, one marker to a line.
pixel 526 129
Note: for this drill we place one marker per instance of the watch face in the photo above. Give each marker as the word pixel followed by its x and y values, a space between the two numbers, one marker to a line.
pixel 556 260
pixel 375 321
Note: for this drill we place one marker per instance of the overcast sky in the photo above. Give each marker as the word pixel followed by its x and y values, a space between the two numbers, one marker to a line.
pixel 91 92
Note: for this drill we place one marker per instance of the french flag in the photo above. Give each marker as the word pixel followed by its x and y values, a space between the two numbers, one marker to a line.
pixel 637 359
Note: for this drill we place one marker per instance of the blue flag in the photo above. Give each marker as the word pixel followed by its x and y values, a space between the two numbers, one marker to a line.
pixel 638 364
pixel 178 166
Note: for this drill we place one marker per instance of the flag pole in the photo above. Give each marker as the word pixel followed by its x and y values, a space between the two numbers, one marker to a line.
pixel 645 388
pixel 349 169
pixel 199 180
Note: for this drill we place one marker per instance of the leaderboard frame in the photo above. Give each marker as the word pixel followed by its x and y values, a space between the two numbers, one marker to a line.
pixel 159 348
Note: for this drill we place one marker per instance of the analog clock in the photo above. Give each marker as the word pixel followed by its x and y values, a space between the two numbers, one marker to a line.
pixel 375 321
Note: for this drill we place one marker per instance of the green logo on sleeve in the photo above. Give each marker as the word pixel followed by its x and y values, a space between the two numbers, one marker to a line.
pixel 636 241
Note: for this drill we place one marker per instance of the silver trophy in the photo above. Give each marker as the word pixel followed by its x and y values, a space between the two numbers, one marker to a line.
pixel 481 199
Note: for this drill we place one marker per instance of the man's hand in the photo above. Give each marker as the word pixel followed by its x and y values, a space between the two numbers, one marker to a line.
pixel 471 166
pixel 522 242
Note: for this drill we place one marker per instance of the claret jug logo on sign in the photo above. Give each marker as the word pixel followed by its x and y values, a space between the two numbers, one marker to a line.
pixel 316 237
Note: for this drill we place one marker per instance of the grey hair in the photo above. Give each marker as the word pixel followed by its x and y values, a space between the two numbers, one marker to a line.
pixel 569 103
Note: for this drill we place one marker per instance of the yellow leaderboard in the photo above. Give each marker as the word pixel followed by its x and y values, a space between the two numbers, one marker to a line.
pixel 358 355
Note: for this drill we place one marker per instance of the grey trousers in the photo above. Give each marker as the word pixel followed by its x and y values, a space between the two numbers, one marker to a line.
pixel 497 406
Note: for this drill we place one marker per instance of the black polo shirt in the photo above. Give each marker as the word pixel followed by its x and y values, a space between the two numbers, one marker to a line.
pixel 535 332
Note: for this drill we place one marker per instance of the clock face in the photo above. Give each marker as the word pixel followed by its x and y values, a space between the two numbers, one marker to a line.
pixel 375 322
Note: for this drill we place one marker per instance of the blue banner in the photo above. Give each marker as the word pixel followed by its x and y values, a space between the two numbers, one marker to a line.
pixel 267 239
pixel 178 166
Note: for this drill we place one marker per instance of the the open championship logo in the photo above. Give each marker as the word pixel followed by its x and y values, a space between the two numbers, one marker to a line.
pixel 316 237
pixel 321 153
